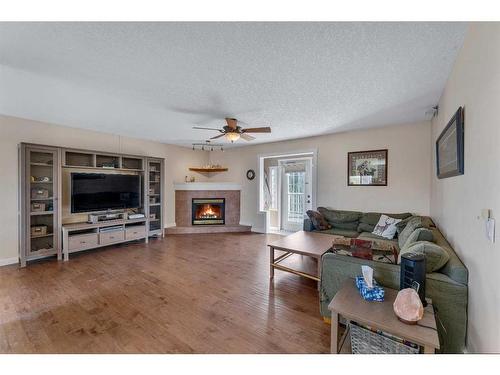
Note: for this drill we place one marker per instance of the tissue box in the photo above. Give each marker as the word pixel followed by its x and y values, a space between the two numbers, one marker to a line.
pixel 369 294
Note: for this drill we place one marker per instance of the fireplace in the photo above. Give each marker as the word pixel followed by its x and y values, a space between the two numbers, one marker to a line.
pixel 208 211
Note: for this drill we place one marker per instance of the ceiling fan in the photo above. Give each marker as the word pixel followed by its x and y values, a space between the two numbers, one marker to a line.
pixel 232 131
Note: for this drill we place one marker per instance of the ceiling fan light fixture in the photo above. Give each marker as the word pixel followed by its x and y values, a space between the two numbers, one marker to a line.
pixel 232 136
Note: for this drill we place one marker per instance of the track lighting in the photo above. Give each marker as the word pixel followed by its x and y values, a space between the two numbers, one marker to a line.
pixel 207 146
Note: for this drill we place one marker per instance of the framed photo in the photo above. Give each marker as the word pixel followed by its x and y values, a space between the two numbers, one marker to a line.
pixel 367 168
pixel 450 147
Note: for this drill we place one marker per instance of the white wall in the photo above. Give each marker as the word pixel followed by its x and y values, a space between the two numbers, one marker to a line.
pixel 456 202
pixel 408 178
pixel 15 130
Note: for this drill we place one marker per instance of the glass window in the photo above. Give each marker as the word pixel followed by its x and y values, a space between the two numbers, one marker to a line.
pixel 295 185
pixel 273 187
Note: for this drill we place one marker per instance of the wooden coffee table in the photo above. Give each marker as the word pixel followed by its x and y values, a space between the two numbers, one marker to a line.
pixel 304 243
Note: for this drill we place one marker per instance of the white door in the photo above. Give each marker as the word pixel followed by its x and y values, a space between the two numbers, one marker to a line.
pixel 296 193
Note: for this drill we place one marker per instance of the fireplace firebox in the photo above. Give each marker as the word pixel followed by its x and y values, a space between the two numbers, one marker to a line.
pixel 208 211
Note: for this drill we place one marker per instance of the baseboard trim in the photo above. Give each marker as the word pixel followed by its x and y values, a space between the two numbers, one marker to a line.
pixel 168 225
pixel 9 261
pixel 259 230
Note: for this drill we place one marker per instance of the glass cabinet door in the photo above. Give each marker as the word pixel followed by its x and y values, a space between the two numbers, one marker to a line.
pixel 155 196
pixel 41 197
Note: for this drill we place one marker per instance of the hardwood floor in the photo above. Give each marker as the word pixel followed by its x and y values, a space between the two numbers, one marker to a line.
pixel 183 294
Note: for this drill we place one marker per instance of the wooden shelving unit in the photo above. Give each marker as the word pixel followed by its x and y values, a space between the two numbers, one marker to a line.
pixel 41 201
pixel 208 170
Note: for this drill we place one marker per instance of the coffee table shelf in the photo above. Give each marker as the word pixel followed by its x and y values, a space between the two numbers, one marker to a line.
pixel 303 243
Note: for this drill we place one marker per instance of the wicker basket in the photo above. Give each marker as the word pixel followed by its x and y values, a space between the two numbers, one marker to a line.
pixel 364 341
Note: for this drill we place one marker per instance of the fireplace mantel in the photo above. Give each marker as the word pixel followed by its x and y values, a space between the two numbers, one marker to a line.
pixel 221 186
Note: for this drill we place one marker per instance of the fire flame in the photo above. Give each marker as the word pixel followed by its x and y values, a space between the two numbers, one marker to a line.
pixel 207 210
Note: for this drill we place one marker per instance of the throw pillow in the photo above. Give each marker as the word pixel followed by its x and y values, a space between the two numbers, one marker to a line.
pixel 317 220
pixel 386 227
pixel 435 256
pixel 414 223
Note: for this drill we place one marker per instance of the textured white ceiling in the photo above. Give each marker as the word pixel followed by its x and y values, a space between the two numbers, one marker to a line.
pixel 157 80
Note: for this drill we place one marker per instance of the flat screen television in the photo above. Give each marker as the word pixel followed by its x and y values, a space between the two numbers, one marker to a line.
pixel 91 192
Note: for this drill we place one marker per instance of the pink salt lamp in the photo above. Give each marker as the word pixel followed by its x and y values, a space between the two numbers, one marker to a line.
pixel 408 307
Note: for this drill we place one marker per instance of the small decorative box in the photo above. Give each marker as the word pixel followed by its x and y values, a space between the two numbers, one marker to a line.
pixel 38 230
pixel 37 207
pixel 39 193
pixel 369 294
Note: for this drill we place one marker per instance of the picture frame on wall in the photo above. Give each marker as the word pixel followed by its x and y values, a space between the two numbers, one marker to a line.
pixel 450 147
pixel 367 168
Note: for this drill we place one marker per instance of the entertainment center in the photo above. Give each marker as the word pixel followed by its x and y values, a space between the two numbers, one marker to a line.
pixel 73 200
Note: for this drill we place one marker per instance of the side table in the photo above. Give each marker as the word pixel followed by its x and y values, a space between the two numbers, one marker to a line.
pixel 348 304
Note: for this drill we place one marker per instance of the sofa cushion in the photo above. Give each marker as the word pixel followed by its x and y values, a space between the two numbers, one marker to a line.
pixel 419 234
pixel 341 219
pixel 435 256
pixel 370 219
pixel 318 220
pixel 364 227
pixel 370 236
pixel 454 268
pixel 402 224
pixel 348 226
pixel 341 232
pixel 426 223
pixel 414 223
pixel 386 227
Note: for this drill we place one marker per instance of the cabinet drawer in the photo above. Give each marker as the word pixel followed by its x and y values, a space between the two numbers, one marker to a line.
pixel 111 237
pixel 132 233
pixel 82 241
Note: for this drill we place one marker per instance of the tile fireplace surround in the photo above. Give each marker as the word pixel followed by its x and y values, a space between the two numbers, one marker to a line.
pixel 184 194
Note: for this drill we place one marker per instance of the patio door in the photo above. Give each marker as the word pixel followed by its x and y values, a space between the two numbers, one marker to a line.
pixel 296 193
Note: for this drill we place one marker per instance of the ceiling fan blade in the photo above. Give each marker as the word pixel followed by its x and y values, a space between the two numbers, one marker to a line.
pixel 200 127
pixel 218 136
pixel 265 129
pixel 247 137
pixel 232 122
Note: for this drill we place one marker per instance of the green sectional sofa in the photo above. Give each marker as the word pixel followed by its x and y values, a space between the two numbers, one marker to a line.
pixel 447 286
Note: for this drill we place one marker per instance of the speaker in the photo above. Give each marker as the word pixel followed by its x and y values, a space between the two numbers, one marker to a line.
pixel 413 272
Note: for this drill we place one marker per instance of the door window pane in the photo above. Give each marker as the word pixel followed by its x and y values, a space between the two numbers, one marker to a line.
pixel 295 185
